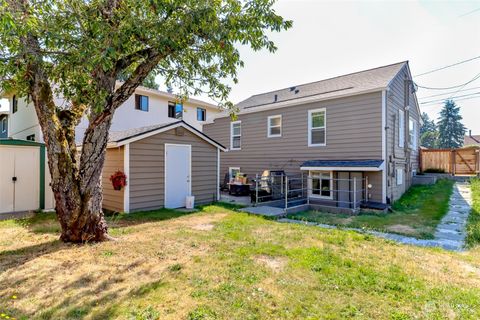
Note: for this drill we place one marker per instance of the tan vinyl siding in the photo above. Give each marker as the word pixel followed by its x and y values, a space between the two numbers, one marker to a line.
pixel 398 157
pixel 353 131
pixel 147 169
pixel 112 199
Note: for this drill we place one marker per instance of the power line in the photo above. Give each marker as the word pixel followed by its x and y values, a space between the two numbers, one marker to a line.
pixel 453 87
pixel 451 65
pixel 475 78
pixel 456 97
pixel 447 93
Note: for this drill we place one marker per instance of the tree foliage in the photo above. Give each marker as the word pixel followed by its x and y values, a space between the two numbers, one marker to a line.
pixel 451 130
pixel 77 49
pixel 428 132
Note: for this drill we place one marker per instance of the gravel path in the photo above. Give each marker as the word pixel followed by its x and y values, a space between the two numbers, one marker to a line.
pixel 450 233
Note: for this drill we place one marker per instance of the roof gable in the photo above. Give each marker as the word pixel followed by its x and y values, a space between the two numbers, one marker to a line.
pixel 350 84
pixel 120 138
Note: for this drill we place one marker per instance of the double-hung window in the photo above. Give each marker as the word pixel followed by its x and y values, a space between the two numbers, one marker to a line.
pixel 175 110
pixel 141 102
pixel 201 114
pixel 321 184
pixel 401 128
pixel 412 130
pixel 236 135
pixel 274 126
pixel 317 125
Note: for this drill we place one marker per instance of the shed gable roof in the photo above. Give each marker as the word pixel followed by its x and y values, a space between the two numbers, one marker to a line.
pixel 120 138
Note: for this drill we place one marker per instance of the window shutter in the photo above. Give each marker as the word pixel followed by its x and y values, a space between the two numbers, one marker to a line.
pixel 137 102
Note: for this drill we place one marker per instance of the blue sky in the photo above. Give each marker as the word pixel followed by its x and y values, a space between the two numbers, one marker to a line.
pixel 334 38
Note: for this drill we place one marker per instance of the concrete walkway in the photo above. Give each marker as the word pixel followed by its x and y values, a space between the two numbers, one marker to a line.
pixel 450 233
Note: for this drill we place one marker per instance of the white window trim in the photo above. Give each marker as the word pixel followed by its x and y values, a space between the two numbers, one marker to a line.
pixel 231 135
pixel 401 128
pixel 230 169
pixel 319 196
pixel 310 144
pixel 399 176
pixel 269 126
pixel 4 125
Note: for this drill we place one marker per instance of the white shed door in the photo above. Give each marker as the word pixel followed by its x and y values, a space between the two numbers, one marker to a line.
pixel 7 171
pixel 177 175
pixel 19 179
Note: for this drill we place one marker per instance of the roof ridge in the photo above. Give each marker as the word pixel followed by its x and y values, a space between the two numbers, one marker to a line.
pixel 312 82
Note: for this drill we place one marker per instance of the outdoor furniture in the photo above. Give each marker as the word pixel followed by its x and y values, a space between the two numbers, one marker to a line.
pixel 237 189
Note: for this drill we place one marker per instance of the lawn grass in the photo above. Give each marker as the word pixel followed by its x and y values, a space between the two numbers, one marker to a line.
pixel 415 214
pixel 473 223
pixel 222 264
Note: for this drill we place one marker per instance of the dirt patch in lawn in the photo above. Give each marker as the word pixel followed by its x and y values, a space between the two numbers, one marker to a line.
pixel 274 263
pixel 203 227
pixel 401 228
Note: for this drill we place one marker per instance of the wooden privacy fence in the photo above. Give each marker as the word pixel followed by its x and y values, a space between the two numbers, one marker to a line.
pixel 465 161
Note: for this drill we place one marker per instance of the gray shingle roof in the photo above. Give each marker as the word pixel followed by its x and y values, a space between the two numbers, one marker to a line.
pixel 343 163
pixel 471 140
pixel 342 85
pixel 117 136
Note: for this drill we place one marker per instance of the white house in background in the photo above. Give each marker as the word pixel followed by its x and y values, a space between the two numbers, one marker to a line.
pixel 144 108
pixel 3 118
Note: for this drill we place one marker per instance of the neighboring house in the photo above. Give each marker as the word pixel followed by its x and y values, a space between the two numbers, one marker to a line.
pixel 362 124
pixel 164 164
pixel 471 140
pixel 144 108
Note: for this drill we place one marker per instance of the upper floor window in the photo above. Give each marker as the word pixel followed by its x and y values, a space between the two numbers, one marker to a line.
pixel 235 135
pixel 317 126
pixel 141 102
pixel 201 114
pixel 401 128
pixel 14 104
pixel 175 110
pixel 412 130
pixel 274 126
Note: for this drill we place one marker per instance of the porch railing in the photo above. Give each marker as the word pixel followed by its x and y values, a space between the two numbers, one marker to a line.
pixel 288 191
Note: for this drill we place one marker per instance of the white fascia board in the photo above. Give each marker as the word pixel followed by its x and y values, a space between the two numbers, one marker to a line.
pixel 160 130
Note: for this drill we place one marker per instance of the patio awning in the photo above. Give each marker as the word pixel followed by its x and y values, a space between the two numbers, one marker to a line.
pixel 343 165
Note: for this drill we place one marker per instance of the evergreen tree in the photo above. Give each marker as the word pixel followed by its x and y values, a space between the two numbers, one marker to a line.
pixel 428 132
pixel 451 130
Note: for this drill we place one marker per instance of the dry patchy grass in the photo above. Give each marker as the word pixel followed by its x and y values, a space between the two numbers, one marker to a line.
pixel 221 264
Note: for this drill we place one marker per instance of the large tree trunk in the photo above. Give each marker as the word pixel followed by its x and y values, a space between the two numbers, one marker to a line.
pixel 76 181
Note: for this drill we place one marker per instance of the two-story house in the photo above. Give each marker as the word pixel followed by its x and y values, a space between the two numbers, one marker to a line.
pixel 146 107
pixel 364 124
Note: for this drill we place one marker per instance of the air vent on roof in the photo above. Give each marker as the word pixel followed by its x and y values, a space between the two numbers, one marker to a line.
pixel 275 98
pixel 292 88
pixel 297 91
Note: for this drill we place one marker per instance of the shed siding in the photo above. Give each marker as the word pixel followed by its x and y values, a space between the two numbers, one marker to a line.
pixel 113 199
pixel 398 157
pixel 147 169
pixel 353 129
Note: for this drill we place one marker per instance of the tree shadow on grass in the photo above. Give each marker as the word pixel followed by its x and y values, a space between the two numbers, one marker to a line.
pixel 15 258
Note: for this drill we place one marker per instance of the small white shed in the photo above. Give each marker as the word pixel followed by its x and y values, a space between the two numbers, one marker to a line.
pixel 23 183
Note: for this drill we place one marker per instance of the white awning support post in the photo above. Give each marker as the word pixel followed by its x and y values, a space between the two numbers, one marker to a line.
pixel 354 193
pixel 286 192
pixel 256 189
